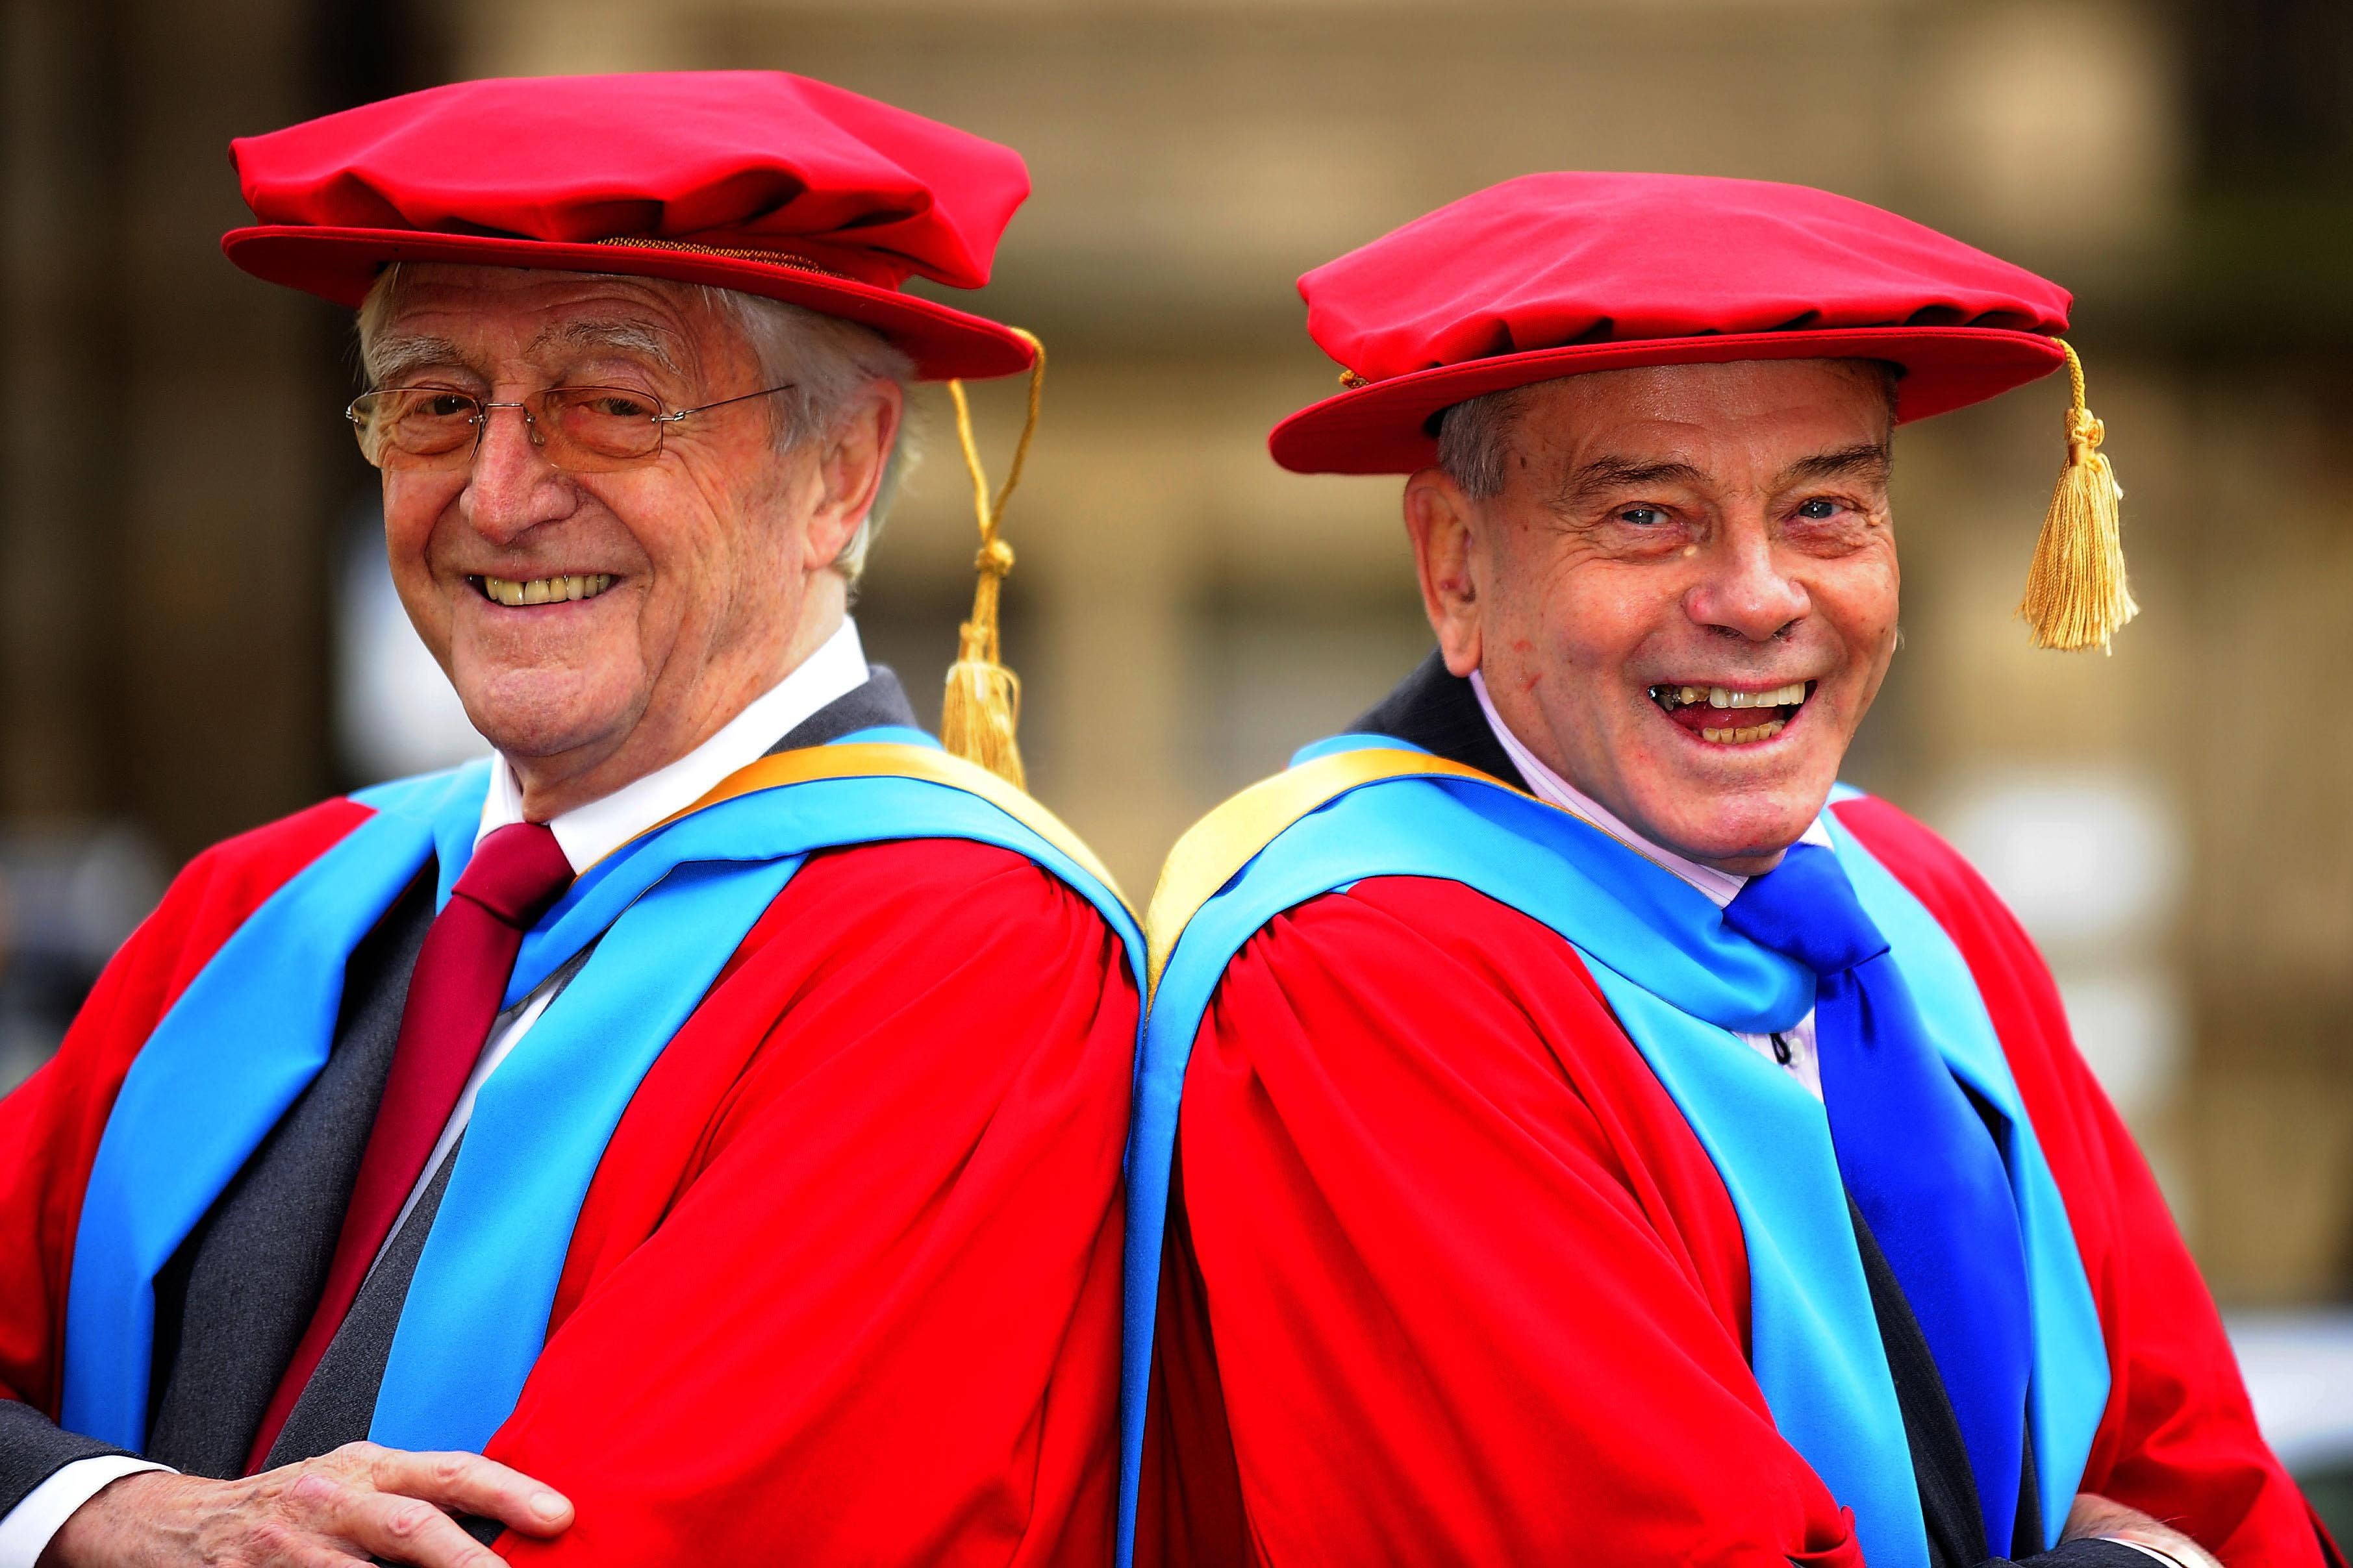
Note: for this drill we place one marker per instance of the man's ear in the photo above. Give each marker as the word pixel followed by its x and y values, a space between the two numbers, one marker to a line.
pixel 851 462
pixel 1449 553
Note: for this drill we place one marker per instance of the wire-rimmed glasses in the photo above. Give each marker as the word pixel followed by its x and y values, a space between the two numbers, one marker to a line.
pixel 582 429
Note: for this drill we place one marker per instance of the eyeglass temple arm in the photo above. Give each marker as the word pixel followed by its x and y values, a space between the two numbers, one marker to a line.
pixel 747 397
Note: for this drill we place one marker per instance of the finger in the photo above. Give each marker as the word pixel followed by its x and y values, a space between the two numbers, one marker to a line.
pixel 396 1528
pixel 303 1554
pixel 469 1483
pixel 276 1543
pixel 411 1530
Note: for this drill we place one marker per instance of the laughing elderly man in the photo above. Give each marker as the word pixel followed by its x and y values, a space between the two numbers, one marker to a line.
pixel 1605 1139
pixel 709 1109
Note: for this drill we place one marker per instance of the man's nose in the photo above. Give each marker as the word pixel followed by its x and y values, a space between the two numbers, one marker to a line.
pixel 510 486
pixel 1745 589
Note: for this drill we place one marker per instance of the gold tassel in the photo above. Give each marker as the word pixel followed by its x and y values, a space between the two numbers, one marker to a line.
pixel 2076 596
pixel 983 705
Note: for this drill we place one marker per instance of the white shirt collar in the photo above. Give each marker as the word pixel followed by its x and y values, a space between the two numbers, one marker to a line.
pixel 1549 786
pixel 586 834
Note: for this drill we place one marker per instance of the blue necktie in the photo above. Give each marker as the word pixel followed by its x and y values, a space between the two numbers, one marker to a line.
pixel 1917 1160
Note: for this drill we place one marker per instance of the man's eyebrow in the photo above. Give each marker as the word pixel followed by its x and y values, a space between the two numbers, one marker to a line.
pixel 1869 460
pixel 1603 475
pixel 391 360
pixel 615 336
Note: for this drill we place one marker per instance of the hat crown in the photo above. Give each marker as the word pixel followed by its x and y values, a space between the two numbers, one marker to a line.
pixel 1552 260
pixel 751 160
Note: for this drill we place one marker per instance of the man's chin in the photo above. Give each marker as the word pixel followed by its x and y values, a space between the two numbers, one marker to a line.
pixel 1741 828
pixel 540 724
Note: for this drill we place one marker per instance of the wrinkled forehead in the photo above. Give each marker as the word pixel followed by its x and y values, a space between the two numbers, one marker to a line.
pixel 486 317
pixel 1746 427
pixel 1758 410
pixel 1711 395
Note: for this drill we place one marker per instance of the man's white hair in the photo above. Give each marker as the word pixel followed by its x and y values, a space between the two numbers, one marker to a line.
pixel 828 363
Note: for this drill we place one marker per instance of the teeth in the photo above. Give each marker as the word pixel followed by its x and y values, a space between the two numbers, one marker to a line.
pixel 1780 697
pixel 1673 696
pixel 546 590
pixel 1746 733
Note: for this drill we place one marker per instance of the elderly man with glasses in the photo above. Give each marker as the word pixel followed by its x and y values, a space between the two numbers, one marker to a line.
pixel 692 1135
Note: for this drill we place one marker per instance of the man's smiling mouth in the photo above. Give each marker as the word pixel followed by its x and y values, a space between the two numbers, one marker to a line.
pixel 513 592
pixel 1708 712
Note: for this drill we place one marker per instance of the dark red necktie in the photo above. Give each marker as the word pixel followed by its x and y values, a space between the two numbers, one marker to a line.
pixel 453 999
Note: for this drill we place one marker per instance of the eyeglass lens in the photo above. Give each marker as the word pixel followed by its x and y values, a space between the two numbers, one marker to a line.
pixel 579 427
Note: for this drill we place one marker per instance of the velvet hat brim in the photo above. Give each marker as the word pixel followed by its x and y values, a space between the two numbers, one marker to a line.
pixel 1390 426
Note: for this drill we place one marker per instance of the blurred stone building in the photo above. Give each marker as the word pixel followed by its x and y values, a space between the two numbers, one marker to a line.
pixel 187 645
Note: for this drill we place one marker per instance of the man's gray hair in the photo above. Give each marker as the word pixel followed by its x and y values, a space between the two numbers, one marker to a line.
pixel 1474 439
pixel 828 363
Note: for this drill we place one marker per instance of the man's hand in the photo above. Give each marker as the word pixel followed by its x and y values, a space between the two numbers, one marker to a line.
pixel 2096 1517
pixel 339 1511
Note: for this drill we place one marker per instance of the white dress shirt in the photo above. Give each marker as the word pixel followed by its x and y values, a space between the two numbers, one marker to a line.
pixel 1793 1049
pixel 586 834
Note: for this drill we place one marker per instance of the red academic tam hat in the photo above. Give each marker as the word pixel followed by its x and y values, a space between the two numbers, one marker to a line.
pixel 757 181
pixel 1555 275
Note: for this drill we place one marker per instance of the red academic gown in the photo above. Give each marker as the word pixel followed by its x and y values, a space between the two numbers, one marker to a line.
pixel 846 1285
pixel 1452 1281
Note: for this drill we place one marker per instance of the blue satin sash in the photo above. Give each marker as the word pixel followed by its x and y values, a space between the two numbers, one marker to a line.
pixel 1681 984
pixel 254 1028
